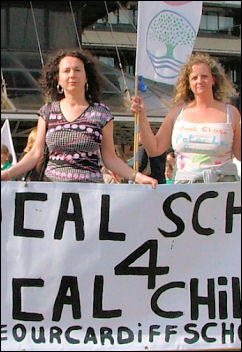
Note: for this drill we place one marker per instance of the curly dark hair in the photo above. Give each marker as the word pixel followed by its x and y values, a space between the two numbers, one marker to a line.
pixel 49 76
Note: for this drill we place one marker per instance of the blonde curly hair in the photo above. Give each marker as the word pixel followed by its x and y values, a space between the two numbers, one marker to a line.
pixel 31 140
pixel 223 89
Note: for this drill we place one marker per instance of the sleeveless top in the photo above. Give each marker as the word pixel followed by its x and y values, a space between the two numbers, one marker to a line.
pixel 203 150
pixel 75 147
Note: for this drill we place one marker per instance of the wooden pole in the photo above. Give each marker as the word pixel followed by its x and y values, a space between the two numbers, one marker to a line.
pixel 136 133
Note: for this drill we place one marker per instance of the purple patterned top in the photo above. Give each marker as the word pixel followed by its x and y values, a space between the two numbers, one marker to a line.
pixel 75 147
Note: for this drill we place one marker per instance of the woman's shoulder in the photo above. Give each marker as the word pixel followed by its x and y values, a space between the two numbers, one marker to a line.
pixel 48 107
pixel 179 106
pixel 234 110
pixel 101 106
pixel 175 111
pixel 104 113
pixel 234 115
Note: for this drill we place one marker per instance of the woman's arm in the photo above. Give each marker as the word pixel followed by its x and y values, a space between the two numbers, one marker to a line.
pixel 154 144
pixel 30 159
pixel 237 133
pixel 117 165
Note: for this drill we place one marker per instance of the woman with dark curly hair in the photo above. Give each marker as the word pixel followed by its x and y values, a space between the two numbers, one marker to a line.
pixel 76 126
pixel 202 127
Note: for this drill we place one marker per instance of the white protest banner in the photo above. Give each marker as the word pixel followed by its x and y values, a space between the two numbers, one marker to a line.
pixel 6 138
pixel 120 267
pixel 166 34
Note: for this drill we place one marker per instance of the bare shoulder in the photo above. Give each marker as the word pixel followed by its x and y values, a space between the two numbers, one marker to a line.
pixel 235 111
pixel 174 111
pixel 236 116
pixel 178 107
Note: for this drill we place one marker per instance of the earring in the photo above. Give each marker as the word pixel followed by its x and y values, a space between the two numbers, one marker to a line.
pixel 60 90
pixel 87 87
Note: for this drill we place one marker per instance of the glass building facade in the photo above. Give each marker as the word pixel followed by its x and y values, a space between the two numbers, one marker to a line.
pixel 29 34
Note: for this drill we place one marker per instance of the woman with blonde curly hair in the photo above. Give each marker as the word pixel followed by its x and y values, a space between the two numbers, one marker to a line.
pixel 35 173
pixel 203 127
pixel 223 88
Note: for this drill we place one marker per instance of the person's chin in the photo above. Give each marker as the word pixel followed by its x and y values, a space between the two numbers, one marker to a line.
pixel 201 89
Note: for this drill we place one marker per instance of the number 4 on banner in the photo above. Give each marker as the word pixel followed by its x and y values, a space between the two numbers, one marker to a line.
pixel 151 271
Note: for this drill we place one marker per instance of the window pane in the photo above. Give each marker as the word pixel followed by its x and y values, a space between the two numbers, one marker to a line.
pixel 225 23
pixel 62 30
pixel 107 60
pixel 203 22
pixel 212 22
pixel 22 89
pixel 22 29
pixel 17 79
pixel 3 29
pixel 112 18
pixel 125 16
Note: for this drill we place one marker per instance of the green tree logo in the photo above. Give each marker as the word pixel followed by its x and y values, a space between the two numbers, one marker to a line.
pixel 169 35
